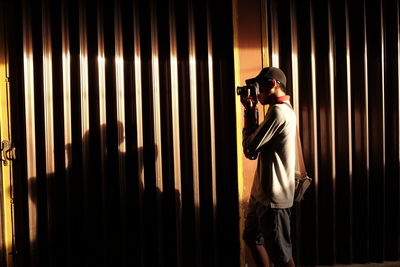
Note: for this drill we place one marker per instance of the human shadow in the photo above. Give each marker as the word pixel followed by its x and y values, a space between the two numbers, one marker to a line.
pixel 102 208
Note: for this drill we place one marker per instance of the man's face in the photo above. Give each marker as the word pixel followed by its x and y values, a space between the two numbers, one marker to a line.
pixel 267 92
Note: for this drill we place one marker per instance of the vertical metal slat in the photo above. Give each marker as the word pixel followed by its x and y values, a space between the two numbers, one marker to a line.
pixel 194 130
pixel 84 83
pixel 84 117
pixel 66 69
pixel 212 128
pixel 156 121
pixel 314 123
pixel 30 131
pixel 274 33
pixel 350 123
pixel 175 129
pixel 101 65
pixel 48 93
pixel 383 114
pixel 296 103
pixel 120 98
pixel 295 65
pixel 366 126
pixel 156 96
pixel 48 126
pixel 332 122
pixel 398 115
pixel 139 121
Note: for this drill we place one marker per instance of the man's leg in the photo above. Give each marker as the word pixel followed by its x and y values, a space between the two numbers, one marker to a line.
pixel 253 238
pixel 259 254
pixel 275 228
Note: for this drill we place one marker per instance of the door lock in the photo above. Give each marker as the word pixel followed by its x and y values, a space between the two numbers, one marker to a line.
pixel 7 152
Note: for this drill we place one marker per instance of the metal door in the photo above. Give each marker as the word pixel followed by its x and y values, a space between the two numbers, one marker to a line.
pixel 6 156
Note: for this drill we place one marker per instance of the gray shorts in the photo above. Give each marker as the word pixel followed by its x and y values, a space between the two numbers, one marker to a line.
pixel 269 227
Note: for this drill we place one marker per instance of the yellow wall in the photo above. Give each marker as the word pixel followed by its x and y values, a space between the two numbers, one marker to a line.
pixel 5 134
pixel 248 63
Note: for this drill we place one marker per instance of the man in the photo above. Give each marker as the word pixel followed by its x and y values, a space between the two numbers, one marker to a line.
pixel 267 226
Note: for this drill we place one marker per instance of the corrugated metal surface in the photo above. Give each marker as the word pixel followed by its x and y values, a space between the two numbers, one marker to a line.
pixel 125 118
pixel 342 60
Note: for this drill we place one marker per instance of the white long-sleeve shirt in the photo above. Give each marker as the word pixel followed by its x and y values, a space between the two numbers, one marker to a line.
pixel 275 143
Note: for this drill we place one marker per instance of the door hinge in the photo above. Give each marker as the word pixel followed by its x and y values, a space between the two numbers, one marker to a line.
pixel 7 152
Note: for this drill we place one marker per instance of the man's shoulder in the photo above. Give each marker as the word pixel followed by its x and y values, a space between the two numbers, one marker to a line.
pixel 283 111
pixel 276 113
pixel 282 108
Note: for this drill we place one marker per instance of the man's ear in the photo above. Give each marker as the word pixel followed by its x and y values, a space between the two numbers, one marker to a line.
pixel 275 83
pixel 270 83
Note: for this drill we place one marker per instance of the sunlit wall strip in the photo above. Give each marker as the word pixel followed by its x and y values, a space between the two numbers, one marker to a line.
pixel 101 65
pixel 156 96
pixel 175 128
pixel 193 104
pixel 66 68
pixel 138 94
pixel 30 129
pixel 398 106
pixel 120 93
pixel 314 115
pixel 120 98
pixel 314 97
pixel 383 92
pixel 175 97
pixel 366 129
pixel 398 85
pixel 332 93
pixel 101 68
pixel 139 118
pixel 239 122
pixel 264 33
pixel 84 84
pixel 366 126
pixel 101 61
pixel 84 104
pixel 295 63
pixel 295 87
pixel 48 92
pixel 274 34
pixel 120 86
pixel 332 119
pixel 212 125
pixel 349 123
pixel 48 110
pixel 212 112
pixel 156 117
pixel 194 129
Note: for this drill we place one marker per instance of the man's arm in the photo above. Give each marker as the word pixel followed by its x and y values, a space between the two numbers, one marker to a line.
pixel 255 137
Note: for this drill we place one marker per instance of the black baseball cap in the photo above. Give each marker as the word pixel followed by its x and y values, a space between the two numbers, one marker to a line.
pixel 269 73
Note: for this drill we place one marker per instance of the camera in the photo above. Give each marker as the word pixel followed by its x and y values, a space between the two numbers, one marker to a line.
pixel 248 97
pixel 247 91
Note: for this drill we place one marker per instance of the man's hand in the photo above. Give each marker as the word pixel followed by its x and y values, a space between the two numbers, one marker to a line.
pixel 250 111
pixel 251 117
pixel 249 102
